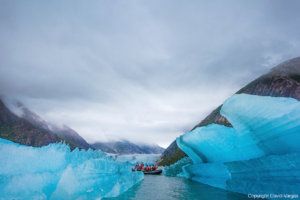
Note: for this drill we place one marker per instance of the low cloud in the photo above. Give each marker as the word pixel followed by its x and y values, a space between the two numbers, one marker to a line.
pixel 139 70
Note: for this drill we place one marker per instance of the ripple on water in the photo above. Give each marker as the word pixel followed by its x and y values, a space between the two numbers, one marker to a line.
pixel 173 188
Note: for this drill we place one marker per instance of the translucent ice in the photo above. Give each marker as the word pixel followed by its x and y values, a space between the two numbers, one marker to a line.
pixel 277 174
pixel 260 153
pixel 134 158
pixel 54 172
pixel 176 168
pixel 216 143
pixel 272 122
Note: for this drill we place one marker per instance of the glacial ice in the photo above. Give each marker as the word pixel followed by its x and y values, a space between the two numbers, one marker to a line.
pixel 176 168
pixel 260 153
pixel 54 172
pixel 134 158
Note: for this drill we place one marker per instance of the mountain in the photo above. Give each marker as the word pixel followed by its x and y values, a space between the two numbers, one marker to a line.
pixel 171 155
pixel 281 81
pixel 126 147
pixel 20 130
pixel 30 116
pixel 30 129
pixel 148 149
pixel 71 137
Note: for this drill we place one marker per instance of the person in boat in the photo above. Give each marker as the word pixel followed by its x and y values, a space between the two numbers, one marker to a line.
pixel 142 166
pixel 154 167
pixel 137 165
pixel 147 168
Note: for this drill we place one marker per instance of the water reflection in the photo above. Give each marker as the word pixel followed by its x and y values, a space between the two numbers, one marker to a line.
pixel 174 188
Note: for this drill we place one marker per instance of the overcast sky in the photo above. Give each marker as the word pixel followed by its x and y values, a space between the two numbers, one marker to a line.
pixel 146 71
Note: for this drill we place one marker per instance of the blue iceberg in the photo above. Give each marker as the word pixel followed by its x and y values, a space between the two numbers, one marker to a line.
pixel 260 153
pixel 176 168
pixel 54 172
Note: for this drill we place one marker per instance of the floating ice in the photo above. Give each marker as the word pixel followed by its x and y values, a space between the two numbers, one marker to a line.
pixel 260 153
pixel 176 168
pixel 54 172
pixel 277 174
pixel 134 158
pixel 217 143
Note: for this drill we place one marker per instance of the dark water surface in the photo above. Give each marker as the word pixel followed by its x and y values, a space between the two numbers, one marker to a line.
pixel 171 188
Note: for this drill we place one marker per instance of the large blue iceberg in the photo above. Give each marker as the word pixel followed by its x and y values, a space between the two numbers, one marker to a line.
pixel 54 172
pixel 260 153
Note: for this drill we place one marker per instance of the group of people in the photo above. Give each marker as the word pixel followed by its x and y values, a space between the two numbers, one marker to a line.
pixel 142 167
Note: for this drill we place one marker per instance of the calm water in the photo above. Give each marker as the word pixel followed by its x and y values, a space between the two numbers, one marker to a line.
pixel 171 188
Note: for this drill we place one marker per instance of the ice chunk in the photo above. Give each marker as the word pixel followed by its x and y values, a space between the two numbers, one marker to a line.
pixel 277 174
pixel 260 153
pixel 261 126
pixel 54 172
pixel 217 143
pixel 134 158
pixel 214 174
pixel 176 168
pixel 272 122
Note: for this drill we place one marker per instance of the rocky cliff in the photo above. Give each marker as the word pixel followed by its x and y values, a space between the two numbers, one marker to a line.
pixel 30 129
pixel 20 130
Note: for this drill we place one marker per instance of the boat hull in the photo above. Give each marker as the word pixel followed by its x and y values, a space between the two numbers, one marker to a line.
pixel 155 172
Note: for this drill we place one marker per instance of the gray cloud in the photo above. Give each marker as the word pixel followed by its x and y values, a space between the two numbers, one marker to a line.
pixel 138 70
